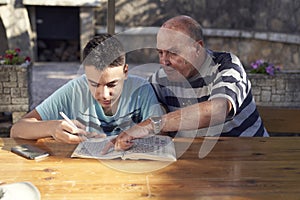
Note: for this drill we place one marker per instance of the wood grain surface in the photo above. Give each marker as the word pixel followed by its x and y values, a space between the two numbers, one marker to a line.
pixel 236 168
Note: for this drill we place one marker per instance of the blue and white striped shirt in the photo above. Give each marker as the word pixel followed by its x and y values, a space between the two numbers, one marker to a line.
pixel 221 76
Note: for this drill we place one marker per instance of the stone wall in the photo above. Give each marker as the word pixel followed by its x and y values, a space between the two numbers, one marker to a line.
pixel 281 53
pixel 253 15
pixel 251 29
pixel 281 90
pixel 279 49
pixel 15 90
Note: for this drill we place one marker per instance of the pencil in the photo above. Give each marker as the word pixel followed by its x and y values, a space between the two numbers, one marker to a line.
pixel 68 120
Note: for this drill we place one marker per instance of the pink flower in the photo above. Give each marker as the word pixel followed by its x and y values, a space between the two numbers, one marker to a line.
pixel 260 61
pixel 270 70
pixel 254 65
pixel 28 59
pixel 13 57
pixel 9 56
pixel 263 67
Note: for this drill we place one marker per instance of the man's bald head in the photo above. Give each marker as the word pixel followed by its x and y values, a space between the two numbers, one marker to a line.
pixel 186 25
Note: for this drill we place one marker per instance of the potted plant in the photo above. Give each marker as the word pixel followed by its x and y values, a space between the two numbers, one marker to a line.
pixel 264 67
pixel 15 80
pixel 14 57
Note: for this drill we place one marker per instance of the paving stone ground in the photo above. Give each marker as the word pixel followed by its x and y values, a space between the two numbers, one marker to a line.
pixel 48 77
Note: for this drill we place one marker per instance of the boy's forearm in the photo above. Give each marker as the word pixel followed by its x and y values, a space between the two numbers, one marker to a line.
pixel 31 128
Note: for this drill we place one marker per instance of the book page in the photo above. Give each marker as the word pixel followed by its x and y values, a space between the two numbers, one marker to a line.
pixel 156 147
pixel 92 148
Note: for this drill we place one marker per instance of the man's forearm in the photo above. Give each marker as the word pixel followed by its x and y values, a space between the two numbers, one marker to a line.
pixel 197 116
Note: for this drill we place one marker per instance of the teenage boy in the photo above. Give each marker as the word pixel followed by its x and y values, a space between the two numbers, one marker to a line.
pixel 105 100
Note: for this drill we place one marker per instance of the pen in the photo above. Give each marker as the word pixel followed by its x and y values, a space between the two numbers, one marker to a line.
pixel 68 120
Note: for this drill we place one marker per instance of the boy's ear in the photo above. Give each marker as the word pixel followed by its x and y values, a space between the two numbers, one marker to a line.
pixel 125 69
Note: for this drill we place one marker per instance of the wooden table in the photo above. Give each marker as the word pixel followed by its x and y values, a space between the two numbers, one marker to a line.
pixel 236 168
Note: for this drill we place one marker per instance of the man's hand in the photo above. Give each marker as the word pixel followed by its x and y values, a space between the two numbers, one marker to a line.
pixel 122 142
pixel 124 139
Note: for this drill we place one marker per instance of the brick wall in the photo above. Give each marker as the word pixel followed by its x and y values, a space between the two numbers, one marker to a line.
pixel 15 90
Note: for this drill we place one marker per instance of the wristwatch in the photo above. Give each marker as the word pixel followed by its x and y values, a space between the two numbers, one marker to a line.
pixel 156 124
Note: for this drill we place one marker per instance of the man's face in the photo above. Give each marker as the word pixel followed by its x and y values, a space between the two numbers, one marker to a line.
pixel 106 86
pixel 178 54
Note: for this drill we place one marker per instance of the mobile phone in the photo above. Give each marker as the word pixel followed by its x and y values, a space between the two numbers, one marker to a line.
pixel 29 151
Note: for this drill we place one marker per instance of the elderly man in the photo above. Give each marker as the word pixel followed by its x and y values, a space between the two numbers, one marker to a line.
pixel 199 87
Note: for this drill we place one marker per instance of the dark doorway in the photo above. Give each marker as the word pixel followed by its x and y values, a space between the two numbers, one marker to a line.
pixel 58 33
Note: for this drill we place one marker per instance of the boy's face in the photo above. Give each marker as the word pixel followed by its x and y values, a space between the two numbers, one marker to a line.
pixel 106 85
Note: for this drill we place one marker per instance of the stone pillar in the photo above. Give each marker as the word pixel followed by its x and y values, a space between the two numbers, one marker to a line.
pixel 15 89
pixel 17 27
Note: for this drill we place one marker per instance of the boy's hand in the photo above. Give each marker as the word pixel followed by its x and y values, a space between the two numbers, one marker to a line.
pixel 64 132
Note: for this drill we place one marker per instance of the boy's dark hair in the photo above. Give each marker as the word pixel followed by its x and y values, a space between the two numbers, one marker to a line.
pixel 102 51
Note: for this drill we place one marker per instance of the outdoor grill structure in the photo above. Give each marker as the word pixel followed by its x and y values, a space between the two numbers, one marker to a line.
pixel 50 30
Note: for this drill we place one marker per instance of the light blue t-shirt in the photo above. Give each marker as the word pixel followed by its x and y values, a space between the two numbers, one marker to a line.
pixel 137 103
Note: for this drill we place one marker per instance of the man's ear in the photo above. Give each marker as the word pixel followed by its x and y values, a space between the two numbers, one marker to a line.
pixel 199 45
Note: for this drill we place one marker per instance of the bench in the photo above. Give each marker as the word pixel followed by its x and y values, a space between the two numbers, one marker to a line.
pixel 280 121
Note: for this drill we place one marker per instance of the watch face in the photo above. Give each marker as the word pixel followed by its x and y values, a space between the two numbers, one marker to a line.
pixel 156 123
pixel 156 119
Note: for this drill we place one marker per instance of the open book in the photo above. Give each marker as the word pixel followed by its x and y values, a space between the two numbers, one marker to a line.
pixel 156 147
